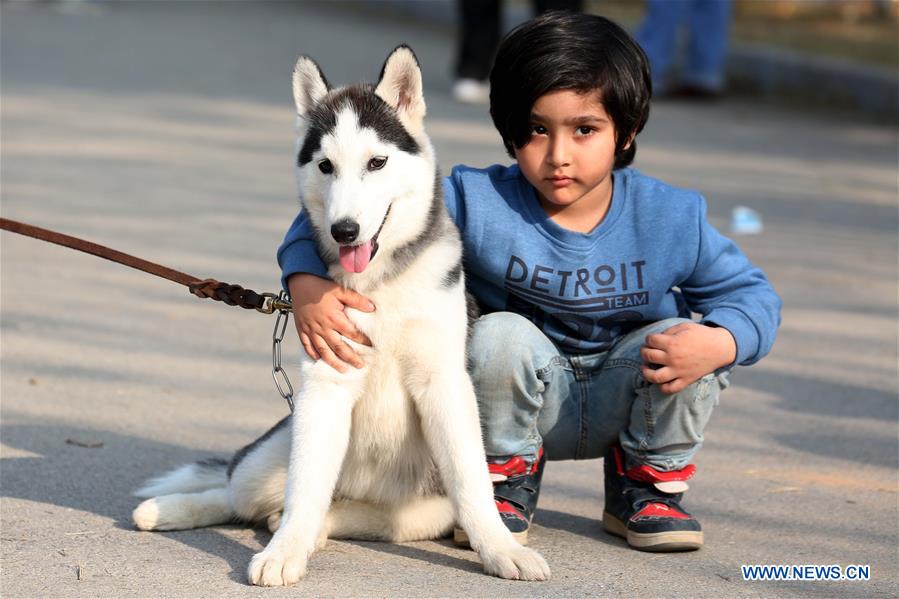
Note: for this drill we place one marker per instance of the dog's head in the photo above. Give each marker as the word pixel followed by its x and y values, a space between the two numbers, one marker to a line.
pixel 362 159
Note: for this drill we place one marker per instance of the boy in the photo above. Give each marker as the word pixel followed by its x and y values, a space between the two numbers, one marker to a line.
pixel 587 273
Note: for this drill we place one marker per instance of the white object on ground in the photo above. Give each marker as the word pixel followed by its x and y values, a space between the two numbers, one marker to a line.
pixel 745 221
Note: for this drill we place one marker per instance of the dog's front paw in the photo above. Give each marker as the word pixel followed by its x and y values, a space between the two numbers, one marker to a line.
pixel 515 563
pixel 276 567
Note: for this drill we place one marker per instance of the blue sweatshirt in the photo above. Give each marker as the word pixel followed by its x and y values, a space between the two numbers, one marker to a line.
pixel 653 256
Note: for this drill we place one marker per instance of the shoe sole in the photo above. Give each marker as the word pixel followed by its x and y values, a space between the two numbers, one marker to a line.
pixel 460 537
pixel 679 540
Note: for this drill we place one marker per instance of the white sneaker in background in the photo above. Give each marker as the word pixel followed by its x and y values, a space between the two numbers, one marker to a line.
pixel 471 91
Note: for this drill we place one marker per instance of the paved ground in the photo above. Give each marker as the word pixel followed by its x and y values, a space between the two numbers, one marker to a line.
pixel 165 130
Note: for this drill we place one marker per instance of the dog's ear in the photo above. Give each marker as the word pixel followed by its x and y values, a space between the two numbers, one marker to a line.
pixel 400 86
pixel 309 85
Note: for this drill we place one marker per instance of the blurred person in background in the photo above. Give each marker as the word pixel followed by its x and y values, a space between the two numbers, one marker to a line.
pixel 706 24
pixel 479 33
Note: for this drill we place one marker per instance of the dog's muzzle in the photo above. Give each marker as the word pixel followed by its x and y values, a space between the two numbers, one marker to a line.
pixel 355 258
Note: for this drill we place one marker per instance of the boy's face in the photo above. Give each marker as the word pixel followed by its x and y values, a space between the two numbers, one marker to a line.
pixel 571 152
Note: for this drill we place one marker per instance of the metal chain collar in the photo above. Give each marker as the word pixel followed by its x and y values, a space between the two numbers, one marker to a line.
pixel 278 373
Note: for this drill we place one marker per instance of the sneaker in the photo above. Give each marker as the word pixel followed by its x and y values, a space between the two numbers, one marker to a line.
pixel 643 506
pixel 471 91
pixel 516 488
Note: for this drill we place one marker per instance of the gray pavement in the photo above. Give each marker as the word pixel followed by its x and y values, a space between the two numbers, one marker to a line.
pixel 165 130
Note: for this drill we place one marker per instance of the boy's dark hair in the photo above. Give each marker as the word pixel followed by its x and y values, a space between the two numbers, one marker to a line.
pixel 570 51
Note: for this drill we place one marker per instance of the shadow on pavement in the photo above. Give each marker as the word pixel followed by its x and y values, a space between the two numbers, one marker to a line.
pixel 100 480
pixel 578 525
pixel 863 447
pixel 417 552
pixel 838 400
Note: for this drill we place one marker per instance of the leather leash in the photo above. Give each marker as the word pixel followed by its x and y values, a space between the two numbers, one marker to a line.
pixel 232 295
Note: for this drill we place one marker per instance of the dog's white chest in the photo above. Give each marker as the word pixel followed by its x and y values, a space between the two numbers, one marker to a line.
pixel 387 458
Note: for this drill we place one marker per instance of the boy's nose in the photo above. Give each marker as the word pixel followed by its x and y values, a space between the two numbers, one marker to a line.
pixel 558 154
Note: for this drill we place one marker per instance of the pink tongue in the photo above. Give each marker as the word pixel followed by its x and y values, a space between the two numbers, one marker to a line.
pixel 354 258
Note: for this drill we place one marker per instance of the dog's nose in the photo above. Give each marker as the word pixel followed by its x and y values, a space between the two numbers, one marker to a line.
pixel 345 231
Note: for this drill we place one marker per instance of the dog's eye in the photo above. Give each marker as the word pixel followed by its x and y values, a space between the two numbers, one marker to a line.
pixel 326 167
pixel 377 163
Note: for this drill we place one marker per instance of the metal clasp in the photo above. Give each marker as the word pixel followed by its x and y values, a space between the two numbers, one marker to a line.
pixel 282 382
pixel 275 302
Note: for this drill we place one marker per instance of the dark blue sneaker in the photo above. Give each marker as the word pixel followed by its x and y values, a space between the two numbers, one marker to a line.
pixel 643 506
pixel 516 489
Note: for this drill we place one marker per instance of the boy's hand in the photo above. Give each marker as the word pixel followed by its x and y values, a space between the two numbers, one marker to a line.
pixel 318 311
pixel 685 353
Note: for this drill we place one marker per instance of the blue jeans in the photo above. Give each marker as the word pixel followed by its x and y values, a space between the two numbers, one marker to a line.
pixel 576 406
pixel 706 23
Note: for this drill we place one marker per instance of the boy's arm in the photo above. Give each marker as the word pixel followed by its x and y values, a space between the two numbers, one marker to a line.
pixel 318 302
pixel 298 252
pixel 740 309
pixel 730 292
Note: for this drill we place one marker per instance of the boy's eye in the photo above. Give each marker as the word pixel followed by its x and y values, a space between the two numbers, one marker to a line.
pixel 377 163
pixel 326 167
pixel 538 129
pixel 585 130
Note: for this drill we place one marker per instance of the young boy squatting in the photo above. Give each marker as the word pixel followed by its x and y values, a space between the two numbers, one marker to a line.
pixel 587 272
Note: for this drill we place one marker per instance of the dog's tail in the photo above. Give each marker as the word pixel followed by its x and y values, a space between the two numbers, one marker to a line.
pixel 191 496
pixel 190 478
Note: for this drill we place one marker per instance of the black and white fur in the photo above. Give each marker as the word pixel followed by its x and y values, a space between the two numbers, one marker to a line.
pixel 392 451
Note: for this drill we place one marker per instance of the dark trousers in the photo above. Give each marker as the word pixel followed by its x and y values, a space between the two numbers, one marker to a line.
pixel 479 32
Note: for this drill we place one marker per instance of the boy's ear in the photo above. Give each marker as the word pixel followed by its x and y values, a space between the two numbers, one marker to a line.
pixel 400 86
pixel 309 85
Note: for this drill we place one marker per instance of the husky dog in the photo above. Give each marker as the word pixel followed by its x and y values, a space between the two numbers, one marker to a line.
pixel 392 451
